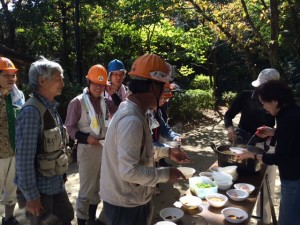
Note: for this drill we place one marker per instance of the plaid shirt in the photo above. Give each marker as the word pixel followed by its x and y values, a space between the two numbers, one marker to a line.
pixel 28 131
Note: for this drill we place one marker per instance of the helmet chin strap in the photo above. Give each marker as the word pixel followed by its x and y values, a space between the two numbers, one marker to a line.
pixel 157 98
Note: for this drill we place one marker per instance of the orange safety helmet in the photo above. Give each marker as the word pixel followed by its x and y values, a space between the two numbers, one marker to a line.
pixel 7 65
pixel 151 66
pixel 97 74
pixel 167 91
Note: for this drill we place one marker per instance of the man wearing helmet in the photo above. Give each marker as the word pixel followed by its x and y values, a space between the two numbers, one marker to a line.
pixel 11 100
pixel 128 175
pixel 116 92
pixel 86 121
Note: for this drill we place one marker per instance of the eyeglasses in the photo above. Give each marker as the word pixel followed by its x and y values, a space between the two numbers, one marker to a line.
pixel 9 76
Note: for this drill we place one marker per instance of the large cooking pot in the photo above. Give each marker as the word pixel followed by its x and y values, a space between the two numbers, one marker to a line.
pixel 245 166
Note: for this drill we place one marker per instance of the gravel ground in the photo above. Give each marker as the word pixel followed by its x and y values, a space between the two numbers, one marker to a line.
pixel 196 144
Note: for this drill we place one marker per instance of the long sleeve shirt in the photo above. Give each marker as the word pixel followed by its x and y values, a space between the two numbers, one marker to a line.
pixel 28 132
pixel 287 150
pixel 163 130
pixel 252 113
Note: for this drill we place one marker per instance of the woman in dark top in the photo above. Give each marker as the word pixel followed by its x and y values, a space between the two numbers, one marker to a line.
pixel 277 98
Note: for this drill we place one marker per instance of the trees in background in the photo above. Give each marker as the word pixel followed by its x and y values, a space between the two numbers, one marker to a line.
pixel 228 40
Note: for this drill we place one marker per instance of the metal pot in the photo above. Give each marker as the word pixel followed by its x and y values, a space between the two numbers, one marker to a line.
pixel 245 166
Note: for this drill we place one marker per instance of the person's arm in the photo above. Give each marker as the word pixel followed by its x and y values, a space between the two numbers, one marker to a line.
pixel 28 128
pixel 72 118
pixel 165 130
pixel 234 109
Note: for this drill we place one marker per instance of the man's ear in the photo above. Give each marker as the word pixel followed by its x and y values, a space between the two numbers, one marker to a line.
pixel 42 81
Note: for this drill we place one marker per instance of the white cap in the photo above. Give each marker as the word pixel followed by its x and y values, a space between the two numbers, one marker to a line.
pixel 266 75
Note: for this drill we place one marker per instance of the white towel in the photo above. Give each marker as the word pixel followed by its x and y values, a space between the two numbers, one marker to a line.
pixel 95 125
pixel 16 95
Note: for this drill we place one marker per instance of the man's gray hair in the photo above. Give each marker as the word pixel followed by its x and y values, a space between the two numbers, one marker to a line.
pixel 42 68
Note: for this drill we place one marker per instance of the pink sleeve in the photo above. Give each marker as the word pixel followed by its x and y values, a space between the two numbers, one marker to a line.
pixel 73 116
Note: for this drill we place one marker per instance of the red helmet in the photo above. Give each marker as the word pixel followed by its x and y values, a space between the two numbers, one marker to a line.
pixel 151 66
pixel 97 74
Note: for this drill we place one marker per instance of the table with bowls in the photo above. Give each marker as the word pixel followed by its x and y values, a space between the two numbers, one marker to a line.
pixel 218 207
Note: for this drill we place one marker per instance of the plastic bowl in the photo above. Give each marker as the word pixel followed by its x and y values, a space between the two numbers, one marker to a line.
pixel 190 201
pixel 244 187
pixel 224 185
pixel 237 195
pixel 187 171
pixel 216 200
pixel 171 214
pixel 221 177
pixel 165 223
pixel 234 215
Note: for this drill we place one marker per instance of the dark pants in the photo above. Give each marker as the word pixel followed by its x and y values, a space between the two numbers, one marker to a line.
pixel 117 215
pixel 57 210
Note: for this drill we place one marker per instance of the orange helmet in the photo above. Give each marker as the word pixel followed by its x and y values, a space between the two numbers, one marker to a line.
pixel 97 74
pixel 6 64
pixel 167 91
pixel 151 66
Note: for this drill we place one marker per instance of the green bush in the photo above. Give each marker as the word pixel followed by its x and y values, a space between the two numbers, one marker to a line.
pixel 228 97
pixel 200 82
pixel 188 105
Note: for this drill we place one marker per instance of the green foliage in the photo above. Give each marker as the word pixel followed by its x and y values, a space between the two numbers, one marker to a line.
pixel 188 105
pixel 186 71
pixel 228 97
pixel 70 91
pixel 200 82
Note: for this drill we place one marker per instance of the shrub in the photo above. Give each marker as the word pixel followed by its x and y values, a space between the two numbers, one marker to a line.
pixel 200 82
pixel 228 97
pixel 188 105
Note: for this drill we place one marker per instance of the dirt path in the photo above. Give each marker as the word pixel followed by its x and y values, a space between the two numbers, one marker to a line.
pixel 196 144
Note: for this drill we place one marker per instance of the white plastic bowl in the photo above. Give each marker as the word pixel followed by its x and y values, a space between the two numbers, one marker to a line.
pixel 234 215
pixel 244 187
pixel 165 223
pixel 171 214
pixel 190 201
pixel 221 177
pixel 224 185
pixel 237 195
pixel 216 200
pixel 187 171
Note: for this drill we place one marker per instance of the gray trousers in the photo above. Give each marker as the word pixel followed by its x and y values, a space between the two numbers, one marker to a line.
pixel 89 164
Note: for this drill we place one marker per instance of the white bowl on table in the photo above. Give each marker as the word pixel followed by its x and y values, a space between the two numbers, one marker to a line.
pixel 244 187
pixel 234 215
pixel 171 214
pixel 165 223
pixel 221 177
pixel 190 201
pixel 216 200
pixel 224 185
pixel 187 171
pixel 237 195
